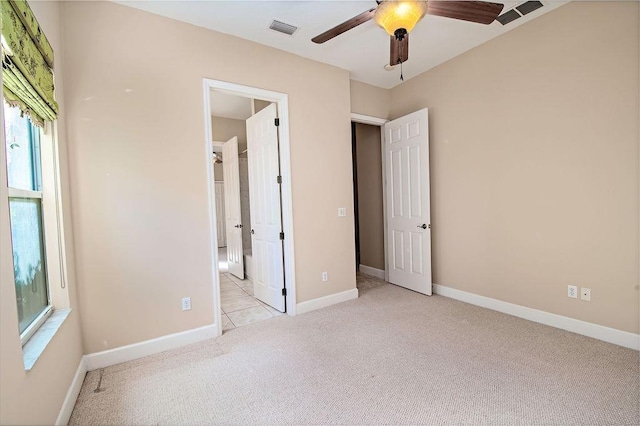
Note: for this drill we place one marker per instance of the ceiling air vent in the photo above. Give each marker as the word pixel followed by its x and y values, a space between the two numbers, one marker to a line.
pixel 521 10
pixel 529 7
pixel 281 27
pixel 507 17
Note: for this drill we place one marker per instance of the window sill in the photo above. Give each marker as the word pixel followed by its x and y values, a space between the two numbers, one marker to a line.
pixel 38 342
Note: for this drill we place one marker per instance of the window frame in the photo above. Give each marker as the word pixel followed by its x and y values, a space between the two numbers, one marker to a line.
pixel 35 136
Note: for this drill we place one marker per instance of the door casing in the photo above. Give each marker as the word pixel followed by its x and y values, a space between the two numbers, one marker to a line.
pixel 282 100
pixel 377 121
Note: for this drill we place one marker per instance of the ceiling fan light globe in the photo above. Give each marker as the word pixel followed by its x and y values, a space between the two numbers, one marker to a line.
pixel 393 15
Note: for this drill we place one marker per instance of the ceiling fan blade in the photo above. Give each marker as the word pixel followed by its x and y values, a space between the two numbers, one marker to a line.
pixel 481 12
pixel 399 50
pixel 344 27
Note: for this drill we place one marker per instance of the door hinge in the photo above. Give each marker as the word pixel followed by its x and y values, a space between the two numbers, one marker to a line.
pixel 277 122
pixel 282 235
pixel 284 291
pixel 279 179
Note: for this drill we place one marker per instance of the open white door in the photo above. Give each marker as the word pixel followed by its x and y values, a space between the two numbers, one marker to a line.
pixel 221 225
pixel 232 212
pixel 406 150
pixel 264 198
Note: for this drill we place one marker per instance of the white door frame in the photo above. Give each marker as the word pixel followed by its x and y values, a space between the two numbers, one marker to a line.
pixel 376 121
pixel 282 100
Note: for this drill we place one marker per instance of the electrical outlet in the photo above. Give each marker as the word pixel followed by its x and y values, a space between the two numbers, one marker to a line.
pixel 585 294
pixel 186 304
pixel 572 291
pixel 325 276
pixel 342 211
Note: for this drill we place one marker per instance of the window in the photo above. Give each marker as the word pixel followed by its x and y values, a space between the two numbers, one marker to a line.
pixel 24 182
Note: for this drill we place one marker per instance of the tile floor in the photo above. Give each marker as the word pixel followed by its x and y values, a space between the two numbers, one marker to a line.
pixel 239 307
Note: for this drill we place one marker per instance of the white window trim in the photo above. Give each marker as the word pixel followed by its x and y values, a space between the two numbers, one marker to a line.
pixel 49 309
pixel 36 324
pixel 23 193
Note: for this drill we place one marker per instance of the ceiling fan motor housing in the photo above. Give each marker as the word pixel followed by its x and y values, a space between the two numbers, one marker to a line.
pixel 400 33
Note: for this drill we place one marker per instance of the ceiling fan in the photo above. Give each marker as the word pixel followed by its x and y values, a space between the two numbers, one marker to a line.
pixel 399 17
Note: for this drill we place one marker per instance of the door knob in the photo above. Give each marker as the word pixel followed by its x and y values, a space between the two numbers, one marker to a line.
pixel 253 232
pixel 423 226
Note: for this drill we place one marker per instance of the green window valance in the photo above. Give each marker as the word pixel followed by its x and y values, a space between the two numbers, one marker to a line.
pixel 27 63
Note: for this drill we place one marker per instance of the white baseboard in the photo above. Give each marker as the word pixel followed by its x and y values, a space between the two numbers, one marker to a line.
pixel 149 347
pixel 72 394
pixel 375 272
pixel 323 302
pixel 600 332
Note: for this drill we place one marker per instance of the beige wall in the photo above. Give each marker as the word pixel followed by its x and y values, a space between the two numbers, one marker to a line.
pixel 534 158
pixel 369 100
pixel 138 169
pixel 259 105
pixel 370 214
pixel 218 175
pixel 35 397
pixel 534 163
pixel 224 129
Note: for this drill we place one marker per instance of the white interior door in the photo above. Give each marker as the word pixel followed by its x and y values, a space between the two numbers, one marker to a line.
pixel 264 199
pixel 220 216
pixel 232 212
pixel 406 147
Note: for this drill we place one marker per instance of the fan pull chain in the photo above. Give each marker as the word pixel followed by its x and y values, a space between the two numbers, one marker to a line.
pixel 400 60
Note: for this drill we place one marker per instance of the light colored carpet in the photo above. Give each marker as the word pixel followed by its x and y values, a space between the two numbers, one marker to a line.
pixel 390 357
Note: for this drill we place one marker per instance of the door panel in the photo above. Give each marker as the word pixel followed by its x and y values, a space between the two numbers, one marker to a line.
pixel 233 216
pixel 416 253
pixel 415 183
pixel 396 183
pixel 408 214
pixel 398 250
pixel 265 201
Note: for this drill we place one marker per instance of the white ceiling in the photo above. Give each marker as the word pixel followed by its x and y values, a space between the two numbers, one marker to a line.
pixel 230 106
pixel 364 50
